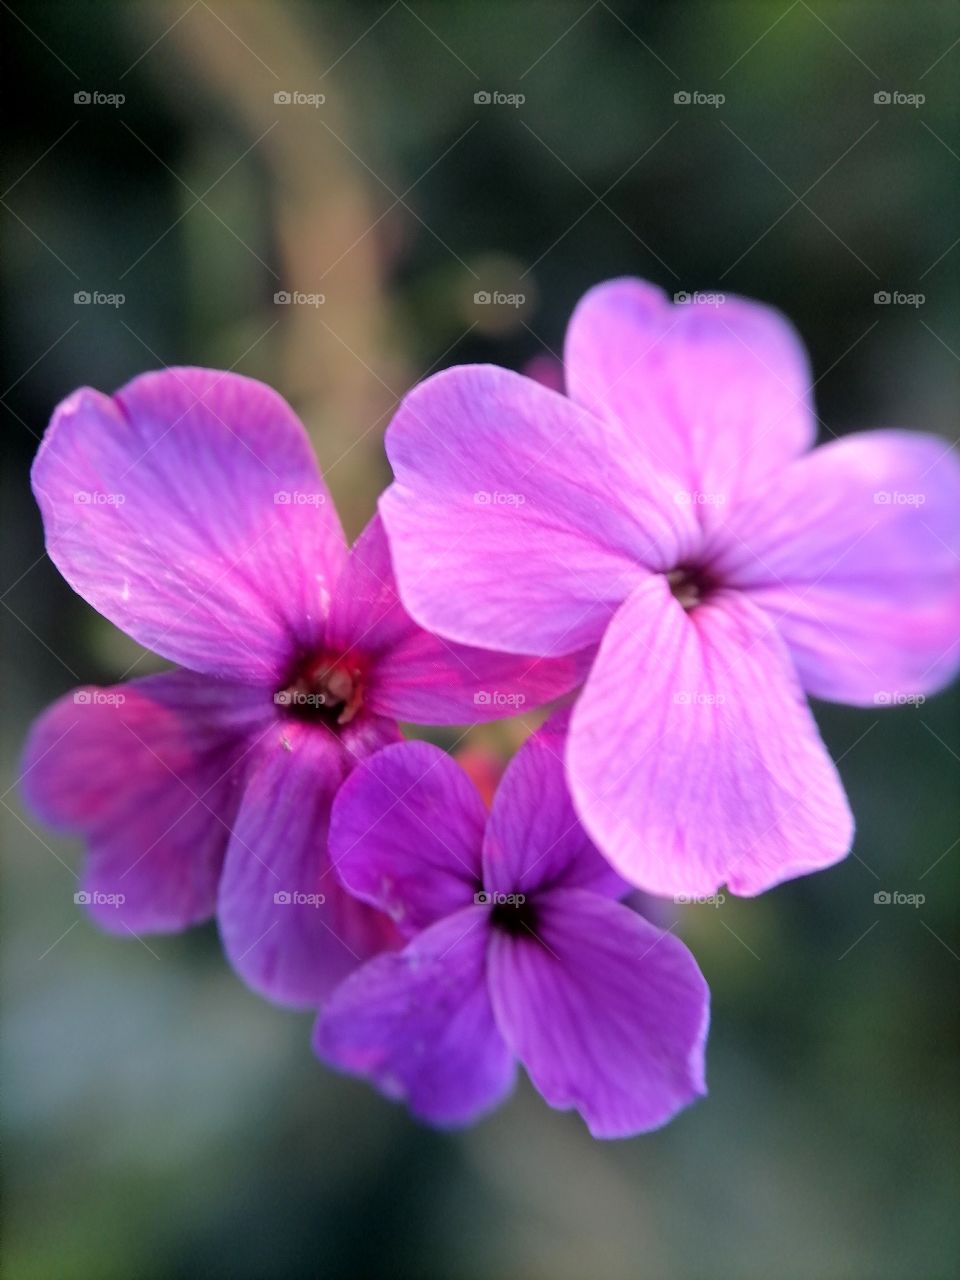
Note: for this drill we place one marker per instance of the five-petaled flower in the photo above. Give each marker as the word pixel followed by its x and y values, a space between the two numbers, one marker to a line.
pixel 675 517
pixel 208 789
pixel 663 529
pixel 518 948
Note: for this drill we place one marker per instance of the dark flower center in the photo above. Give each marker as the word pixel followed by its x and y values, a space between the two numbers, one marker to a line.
pixel 512 913
pixel 323 690
pixel 690 585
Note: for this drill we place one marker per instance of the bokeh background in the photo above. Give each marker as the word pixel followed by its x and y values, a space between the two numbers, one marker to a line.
pixel 159 1119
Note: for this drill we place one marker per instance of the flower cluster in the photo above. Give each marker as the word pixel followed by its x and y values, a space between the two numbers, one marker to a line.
pixel 650 541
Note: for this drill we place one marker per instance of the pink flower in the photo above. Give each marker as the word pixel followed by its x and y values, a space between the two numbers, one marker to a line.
pixel 189 510
pixel 672 514
pixel 517 948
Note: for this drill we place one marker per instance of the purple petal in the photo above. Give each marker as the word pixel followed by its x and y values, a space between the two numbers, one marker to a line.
pixel 418 1025
pixel 415 676
pixel 288 927
pixel 517 520
pixel 608 1015
pixel 693 757
pixel 534 838
pixel 855 551
pixel 188 509
pixel 150 774
pixel 718 396
pixel 406 834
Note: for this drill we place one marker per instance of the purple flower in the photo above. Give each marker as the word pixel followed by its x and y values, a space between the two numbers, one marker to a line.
pixel 672 514
pixel 189 510
pixel 518 949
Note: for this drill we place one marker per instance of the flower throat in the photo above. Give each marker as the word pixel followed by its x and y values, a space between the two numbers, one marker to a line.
pixel 323 690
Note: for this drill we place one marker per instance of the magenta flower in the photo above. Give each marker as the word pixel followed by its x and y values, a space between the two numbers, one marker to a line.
pixel 672 514
pixel 189 510
pixel 517 949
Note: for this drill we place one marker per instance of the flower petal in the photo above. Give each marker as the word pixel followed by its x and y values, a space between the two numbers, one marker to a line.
pixel 693 758
pixel 608 1015
pixel 188 509
pixel 406 834
pixel 418 1025
pixel 855 551
pixel 288 927
pixel 414 675
pixel 150 774
pixel 717 395
pixel 534 838
pixel 517 520
pixel 483 766
pixel 547 370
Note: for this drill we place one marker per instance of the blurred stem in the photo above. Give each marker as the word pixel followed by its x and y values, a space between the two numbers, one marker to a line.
pixel 338 361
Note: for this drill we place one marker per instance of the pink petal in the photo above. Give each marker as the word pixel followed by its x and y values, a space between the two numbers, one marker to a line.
pixel 419 1026
pixel 406 834
pixel 547 370
pixel 517 520
pixel 149 774
pixel 855 552
pixel 718 396
pixel 288 927
pixel 164 507
pixel 693 758
pixel 608 1015
pixel 415 676
pixel 534 838
pixel 483 766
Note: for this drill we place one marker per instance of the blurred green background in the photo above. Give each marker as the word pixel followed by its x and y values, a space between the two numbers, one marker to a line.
pixel 159 1119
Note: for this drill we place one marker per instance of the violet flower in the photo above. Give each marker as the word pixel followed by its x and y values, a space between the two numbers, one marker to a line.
pixel 672 514
pixel 518 949
pixel 189 510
